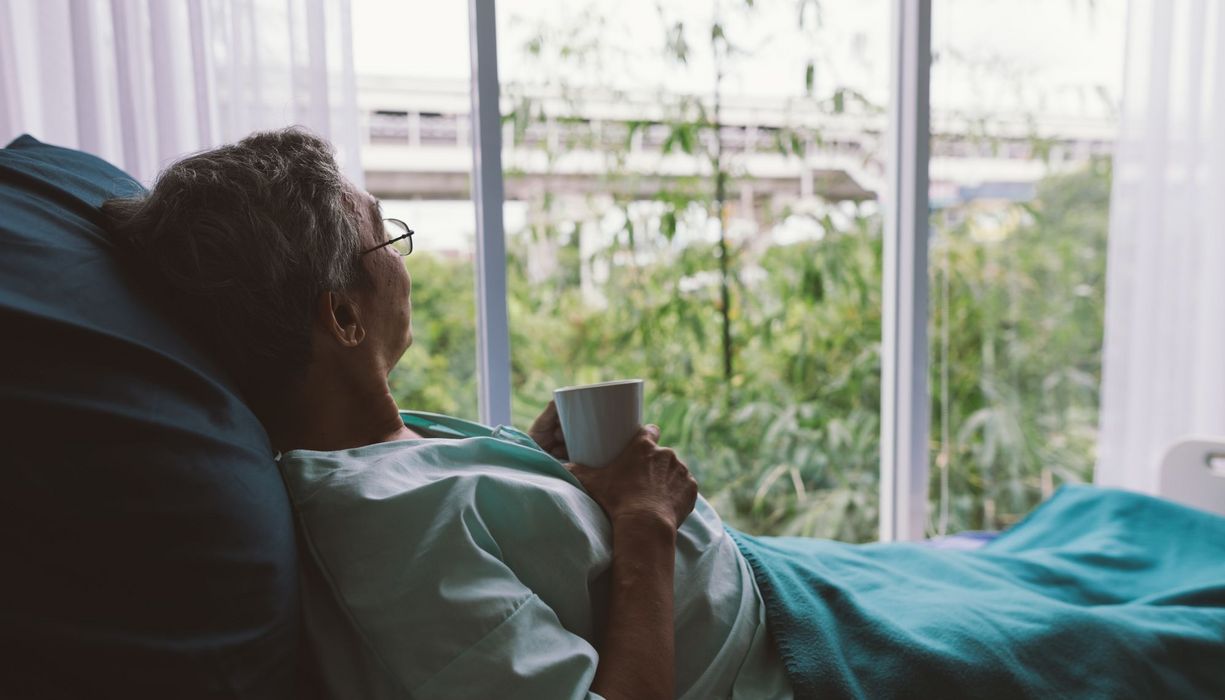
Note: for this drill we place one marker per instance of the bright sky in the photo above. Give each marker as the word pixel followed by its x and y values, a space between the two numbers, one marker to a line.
pixel 1053 57
pixel 1044 56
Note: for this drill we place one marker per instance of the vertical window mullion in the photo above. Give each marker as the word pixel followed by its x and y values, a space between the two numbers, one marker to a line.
pixel 904 391
pixel 492 327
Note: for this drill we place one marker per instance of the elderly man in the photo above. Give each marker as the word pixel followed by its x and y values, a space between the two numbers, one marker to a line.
pixel 297 282
pixel 448 559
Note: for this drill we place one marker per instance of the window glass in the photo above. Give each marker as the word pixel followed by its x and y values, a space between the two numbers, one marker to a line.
pixel 1024 107
pixel 692 199
pixel 412 64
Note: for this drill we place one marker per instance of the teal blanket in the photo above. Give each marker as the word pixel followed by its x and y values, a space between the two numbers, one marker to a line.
pixel 1096 594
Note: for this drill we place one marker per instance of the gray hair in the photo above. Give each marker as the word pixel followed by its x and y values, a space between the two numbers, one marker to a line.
pixel 243 239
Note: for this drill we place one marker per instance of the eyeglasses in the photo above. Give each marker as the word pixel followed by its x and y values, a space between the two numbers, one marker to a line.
pixel 399 237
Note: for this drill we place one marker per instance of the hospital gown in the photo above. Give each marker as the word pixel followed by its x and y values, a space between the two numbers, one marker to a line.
pixel 473 565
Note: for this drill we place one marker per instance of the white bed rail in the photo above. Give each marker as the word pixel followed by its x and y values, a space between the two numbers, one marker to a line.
pixel 1193 473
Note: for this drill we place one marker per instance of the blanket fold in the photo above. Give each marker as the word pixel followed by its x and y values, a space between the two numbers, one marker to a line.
pixel 1097 594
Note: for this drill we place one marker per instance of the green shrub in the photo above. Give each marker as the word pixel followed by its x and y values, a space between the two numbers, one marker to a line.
pixel 789 445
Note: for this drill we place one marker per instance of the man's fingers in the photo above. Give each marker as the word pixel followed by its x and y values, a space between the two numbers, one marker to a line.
pixel 547 419
pixel 652 432
pixel 578 470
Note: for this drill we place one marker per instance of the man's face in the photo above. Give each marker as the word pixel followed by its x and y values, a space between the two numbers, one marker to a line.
pixel 385 302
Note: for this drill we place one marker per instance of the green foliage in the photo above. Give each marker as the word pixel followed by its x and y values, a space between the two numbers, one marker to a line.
pixel 790 444
pixel 439 371
pixel 1020 293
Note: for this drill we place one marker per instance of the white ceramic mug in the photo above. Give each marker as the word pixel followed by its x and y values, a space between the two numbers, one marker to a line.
pixel 599 420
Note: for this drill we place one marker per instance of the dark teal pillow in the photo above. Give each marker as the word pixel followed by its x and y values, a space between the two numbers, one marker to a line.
pixel 148 540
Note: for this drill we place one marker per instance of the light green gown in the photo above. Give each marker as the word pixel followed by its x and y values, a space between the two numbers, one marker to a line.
pixel 475 566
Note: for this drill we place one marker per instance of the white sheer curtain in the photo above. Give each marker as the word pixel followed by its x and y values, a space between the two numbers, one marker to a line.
pixel 142 82
pixel 1164 356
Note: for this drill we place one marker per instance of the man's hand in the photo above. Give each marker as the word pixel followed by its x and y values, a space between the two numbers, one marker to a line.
pixel 647 493
pixel 644 481
pixel 546 431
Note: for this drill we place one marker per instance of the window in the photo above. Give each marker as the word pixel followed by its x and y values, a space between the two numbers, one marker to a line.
pixel 691 198
pixel 1020 190
pixel 412 70
pixel 701 196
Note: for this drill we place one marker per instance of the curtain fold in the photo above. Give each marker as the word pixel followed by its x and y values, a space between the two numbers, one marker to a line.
pixel 144 82
pixel 1164 353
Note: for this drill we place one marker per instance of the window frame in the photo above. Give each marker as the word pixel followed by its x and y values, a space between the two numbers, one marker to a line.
pixel 492 325
pixel 905 401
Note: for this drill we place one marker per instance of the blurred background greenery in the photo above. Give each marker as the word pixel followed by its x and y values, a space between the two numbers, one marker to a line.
pixel 761 354
pixel 790 444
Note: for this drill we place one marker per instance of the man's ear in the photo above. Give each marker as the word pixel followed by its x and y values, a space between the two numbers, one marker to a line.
pixel 341 319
